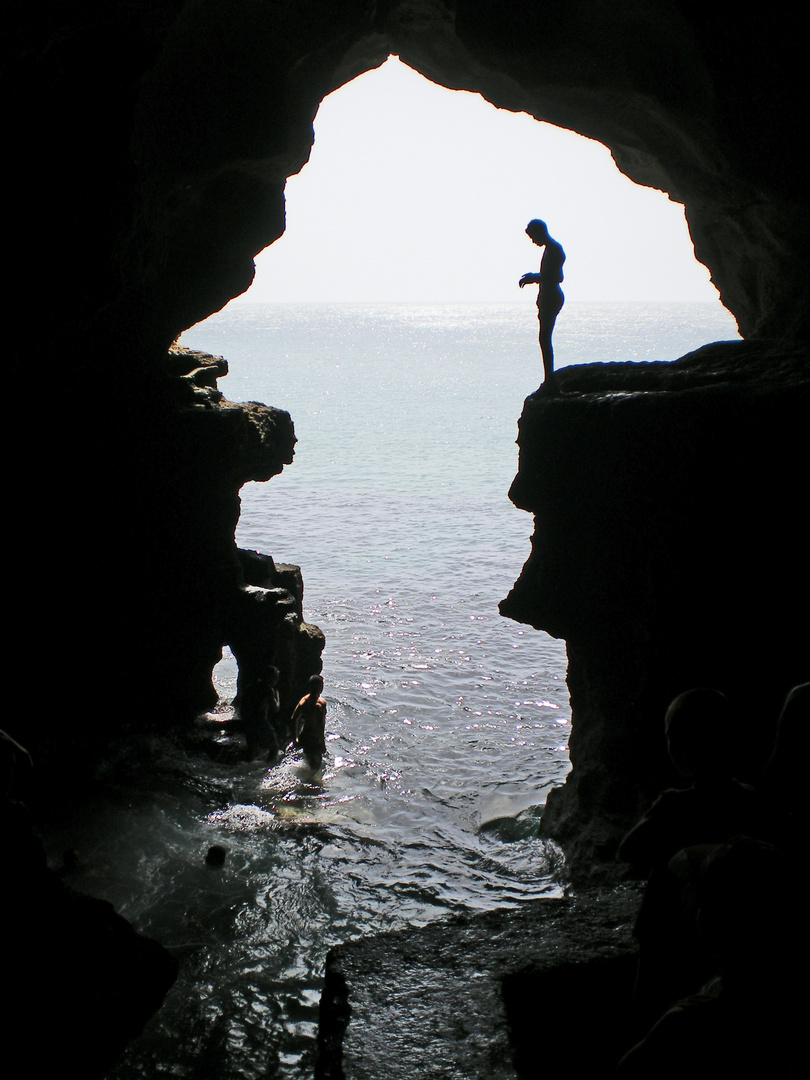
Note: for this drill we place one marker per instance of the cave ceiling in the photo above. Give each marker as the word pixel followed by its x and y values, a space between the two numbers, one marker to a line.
pixel 165 131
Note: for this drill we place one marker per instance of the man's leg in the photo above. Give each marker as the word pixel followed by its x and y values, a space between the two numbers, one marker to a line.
pixel 546 328
pixel 551 301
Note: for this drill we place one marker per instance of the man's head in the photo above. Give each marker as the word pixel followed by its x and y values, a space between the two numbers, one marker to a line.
pixel 699 732
pixel 316 684
pixel 537 232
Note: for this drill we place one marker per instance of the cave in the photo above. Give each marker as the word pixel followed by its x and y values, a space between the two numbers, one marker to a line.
pixel 150 147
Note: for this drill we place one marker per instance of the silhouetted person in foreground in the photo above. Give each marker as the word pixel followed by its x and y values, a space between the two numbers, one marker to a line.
pixel 784 780
pixel 711 806
pixel 550 297
pixel 748 1020
pixel 309 723
pixel 685 822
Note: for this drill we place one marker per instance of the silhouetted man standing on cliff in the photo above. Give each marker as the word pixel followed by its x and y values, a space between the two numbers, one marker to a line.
pixel 549 296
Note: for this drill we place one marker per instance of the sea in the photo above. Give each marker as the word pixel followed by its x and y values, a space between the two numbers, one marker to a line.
pixel 447 725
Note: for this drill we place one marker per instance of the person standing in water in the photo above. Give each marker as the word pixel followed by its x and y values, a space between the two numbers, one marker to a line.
pixel 309 723
pixel 550 297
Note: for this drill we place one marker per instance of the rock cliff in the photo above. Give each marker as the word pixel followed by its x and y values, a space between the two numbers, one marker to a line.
pixel 670 552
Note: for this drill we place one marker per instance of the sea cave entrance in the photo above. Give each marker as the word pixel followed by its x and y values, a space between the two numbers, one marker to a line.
pixel 447 725
pixel 387 320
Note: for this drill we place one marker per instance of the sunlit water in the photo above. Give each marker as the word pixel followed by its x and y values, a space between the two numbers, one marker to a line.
pixel 447 725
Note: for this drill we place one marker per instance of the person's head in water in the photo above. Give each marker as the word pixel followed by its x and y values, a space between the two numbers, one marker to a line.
pixel 537 231
pixel 216 855
pixel 698 729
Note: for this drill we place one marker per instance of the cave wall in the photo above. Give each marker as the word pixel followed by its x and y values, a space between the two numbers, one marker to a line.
pixel 670 551
pixel 151 142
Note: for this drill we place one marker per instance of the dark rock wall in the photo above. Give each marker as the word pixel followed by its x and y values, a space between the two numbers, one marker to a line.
pixel 694 99
pixel 148 147
pixel 670 551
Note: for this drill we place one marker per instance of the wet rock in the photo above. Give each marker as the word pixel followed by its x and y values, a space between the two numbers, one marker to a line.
pixel 467 997
pixel 266 626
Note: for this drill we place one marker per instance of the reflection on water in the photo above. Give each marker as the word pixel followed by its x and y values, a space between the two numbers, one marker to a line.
pixel 425 805
pixel 446 725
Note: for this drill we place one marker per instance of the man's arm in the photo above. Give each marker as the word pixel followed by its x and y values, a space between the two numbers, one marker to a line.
pixel 296 716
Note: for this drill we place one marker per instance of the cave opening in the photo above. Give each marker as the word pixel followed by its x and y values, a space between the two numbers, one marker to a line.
pixel 396 510
pixel 447 724
pixel 415 193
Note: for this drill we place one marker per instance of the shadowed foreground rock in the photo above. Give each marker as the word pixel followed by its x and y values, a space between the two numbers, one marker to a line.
pixel 78 982
pixel 482 998
pixel 81 983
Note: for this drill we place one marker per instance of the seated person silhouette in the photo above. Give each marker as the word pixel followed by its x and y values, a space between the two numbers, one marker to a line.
pixel 747 1020
pixel 783 781
pixel 712 809
pixel 550 297
pixel 309 723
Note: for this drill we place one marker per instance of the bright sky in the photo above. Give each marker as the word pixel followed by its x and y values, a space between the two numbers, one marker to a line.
pixel 418 193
